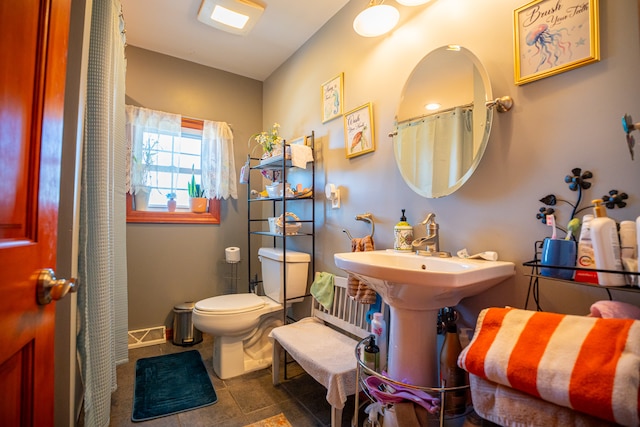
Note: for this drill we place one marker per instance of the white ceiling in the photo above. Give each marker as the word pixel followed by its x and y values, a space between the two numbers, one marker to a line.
pixel 171 27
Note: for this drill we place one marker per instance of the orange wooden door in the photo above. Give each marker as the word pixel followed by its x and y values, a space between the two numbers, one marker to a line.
pixel 33 45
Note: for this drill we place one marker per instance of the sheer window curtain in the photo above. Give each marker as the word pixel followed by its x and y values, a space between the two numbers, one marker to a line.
pixel 102 269
pixel 218 163
pixel 218 166
pixel 140 120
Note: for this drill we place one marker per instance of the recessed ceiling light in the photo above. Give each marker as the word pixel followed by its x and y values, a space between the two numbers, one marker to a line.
pixel 232 16
pixel 432 106
pixel 229 17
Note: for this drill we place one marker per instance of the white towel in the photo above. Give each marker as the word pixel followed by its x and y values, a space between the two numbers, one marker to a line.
pixel 325 354
pixel 300 155
pixel 588 364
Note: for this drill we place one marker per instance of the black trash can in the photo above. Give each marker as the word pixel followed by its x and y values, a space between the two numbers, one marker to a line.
pixel 184 333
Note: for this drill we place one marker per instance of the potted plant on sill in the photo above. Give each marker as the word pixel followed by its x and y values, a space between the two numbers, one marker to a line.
pixel 171 202
pixel 197 200
pixel 143 168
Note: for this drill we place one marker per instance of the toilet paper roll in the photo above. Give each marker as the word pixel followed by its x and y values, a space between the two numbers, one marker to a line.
pixel 232 254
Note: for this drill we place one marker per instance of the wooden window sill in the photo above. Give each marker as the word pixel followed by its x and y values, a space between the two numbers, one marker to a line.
pixel 178 217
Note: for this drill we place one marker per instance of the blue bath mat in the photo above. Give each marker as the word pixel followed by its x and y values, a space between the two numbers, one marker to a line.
pixel 169 384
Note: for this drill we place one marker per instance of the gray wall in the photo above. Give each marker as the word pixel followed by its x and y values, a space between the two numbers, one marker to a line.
pixel 558 123
pixel 172 263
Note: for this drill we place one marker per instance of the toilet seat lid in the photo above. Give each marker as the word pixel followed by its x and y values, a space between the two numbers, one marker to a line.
pixel 232 303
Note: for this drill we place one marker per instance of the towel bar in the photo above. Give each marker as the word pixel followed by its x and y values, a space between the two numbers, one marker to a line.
pixel 367 217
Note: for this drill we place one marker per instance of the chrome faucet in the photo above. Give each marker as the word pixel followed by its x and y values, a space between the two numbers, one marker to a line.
pixel 431 242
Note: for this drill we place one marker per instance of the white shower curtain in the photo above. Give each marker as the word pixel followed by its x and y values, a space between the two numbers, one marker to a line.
pixel 102 295
pixel 444 142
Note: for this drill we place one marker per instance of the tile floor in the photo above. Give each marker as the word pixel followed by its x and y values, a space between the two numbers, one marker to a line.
pixel 241 400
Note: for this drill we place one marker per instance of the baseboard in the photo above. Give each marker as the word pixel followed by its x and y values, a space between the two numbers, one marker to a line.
pixel 147 336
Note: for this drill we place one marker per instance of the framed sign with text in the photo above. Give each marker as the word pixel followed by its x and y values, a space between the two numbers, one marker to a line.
pixel 358 131
pixel 554 36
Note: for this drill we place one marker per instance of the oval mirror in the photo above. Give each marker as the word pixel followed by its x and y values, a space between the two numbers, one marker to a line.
pixel 442 124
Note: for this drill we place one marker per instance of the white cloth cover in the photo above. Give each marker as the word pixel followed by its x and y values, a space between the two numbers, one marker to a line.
pixel 300 155
pixel 325 354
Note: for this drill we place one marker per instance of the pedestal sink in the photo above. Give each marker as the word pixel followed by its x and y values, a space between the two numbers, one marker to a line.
pixel 415 287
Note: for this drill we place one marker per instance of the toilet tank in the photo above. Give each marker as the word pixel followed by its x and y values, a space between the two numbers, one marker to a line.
pixel 273 271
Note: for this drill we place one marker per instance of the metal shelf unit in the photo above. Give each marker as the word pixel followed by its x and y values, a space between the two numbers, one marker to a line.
pixel 535 276
pixel 279 205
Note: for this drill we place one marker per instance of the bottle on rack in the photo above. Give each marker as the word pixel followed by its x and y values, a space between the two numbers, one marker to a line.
pixel 402 235
pixel 371 354
pixel 379 329
pixel 606 246
pixel 628 250
pixel 585 257
pixel 451 375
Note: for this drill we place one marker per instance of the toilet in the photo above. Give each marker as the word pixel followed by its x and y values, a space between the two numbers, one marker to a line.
pixel 240 323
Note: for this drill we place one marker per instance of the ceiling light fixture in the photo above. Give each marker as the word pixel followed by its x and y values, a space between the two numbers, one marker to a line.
pixel 232 16
pixel 412 2
pixel 376 19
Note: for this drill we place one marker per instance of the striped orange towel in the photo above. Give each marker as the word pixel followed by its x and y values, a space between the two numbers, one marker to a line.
pixel 588 364
pixel 357 289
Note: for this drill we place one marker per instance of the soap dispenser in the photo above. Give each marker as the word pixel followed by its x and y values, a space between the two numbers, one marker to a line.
pixel 403 235
pixel 606 246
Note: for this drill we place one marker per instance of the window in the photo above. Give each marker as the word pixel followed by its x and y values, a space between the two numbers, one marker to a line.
pixel 176 159
pixel 169 161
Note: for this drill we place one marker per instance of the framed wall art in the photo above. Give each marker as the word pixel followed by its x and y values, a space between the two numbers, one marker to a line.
pixel 332 98
pixel 554 36
pixel 358 131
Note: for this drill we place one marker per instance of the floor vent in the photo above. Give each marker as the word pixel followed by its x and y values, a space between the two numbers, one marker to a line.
pixel 148 336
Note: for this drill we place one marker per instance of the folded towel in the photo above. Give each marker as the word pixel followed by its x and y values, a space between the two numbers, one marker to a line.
pixel 588 364
pixel 357 289
pixel 300 155
pixel 614 309
pixel 509 407
pixel 322 289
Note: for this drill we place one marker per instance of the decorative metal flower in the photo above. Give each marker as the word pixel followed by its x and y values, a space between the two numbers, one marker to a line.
pixel 543 212
pixel 578 179
pixel 577 182
pixel 549 200
pixel 615 199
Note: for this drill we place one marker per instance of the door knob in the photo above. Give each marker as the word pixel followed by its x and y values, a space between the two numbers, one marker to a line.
pixel 49 288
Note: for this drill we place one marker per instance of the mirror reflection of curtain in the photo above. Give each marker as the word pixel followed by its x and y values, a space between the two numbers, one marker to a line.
pixel 444 141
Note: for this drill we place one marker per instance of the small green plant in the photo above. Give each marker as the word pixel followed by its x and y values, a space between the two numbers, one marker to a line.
pixel 149 153
pixel 194 189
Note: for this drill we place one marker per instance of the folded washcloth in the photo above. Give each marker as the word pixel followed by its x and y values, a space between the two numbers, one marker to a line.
pixel 588 364
pixel 357 289
pixel 300 155
pixel 322 289
pixel 614 309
